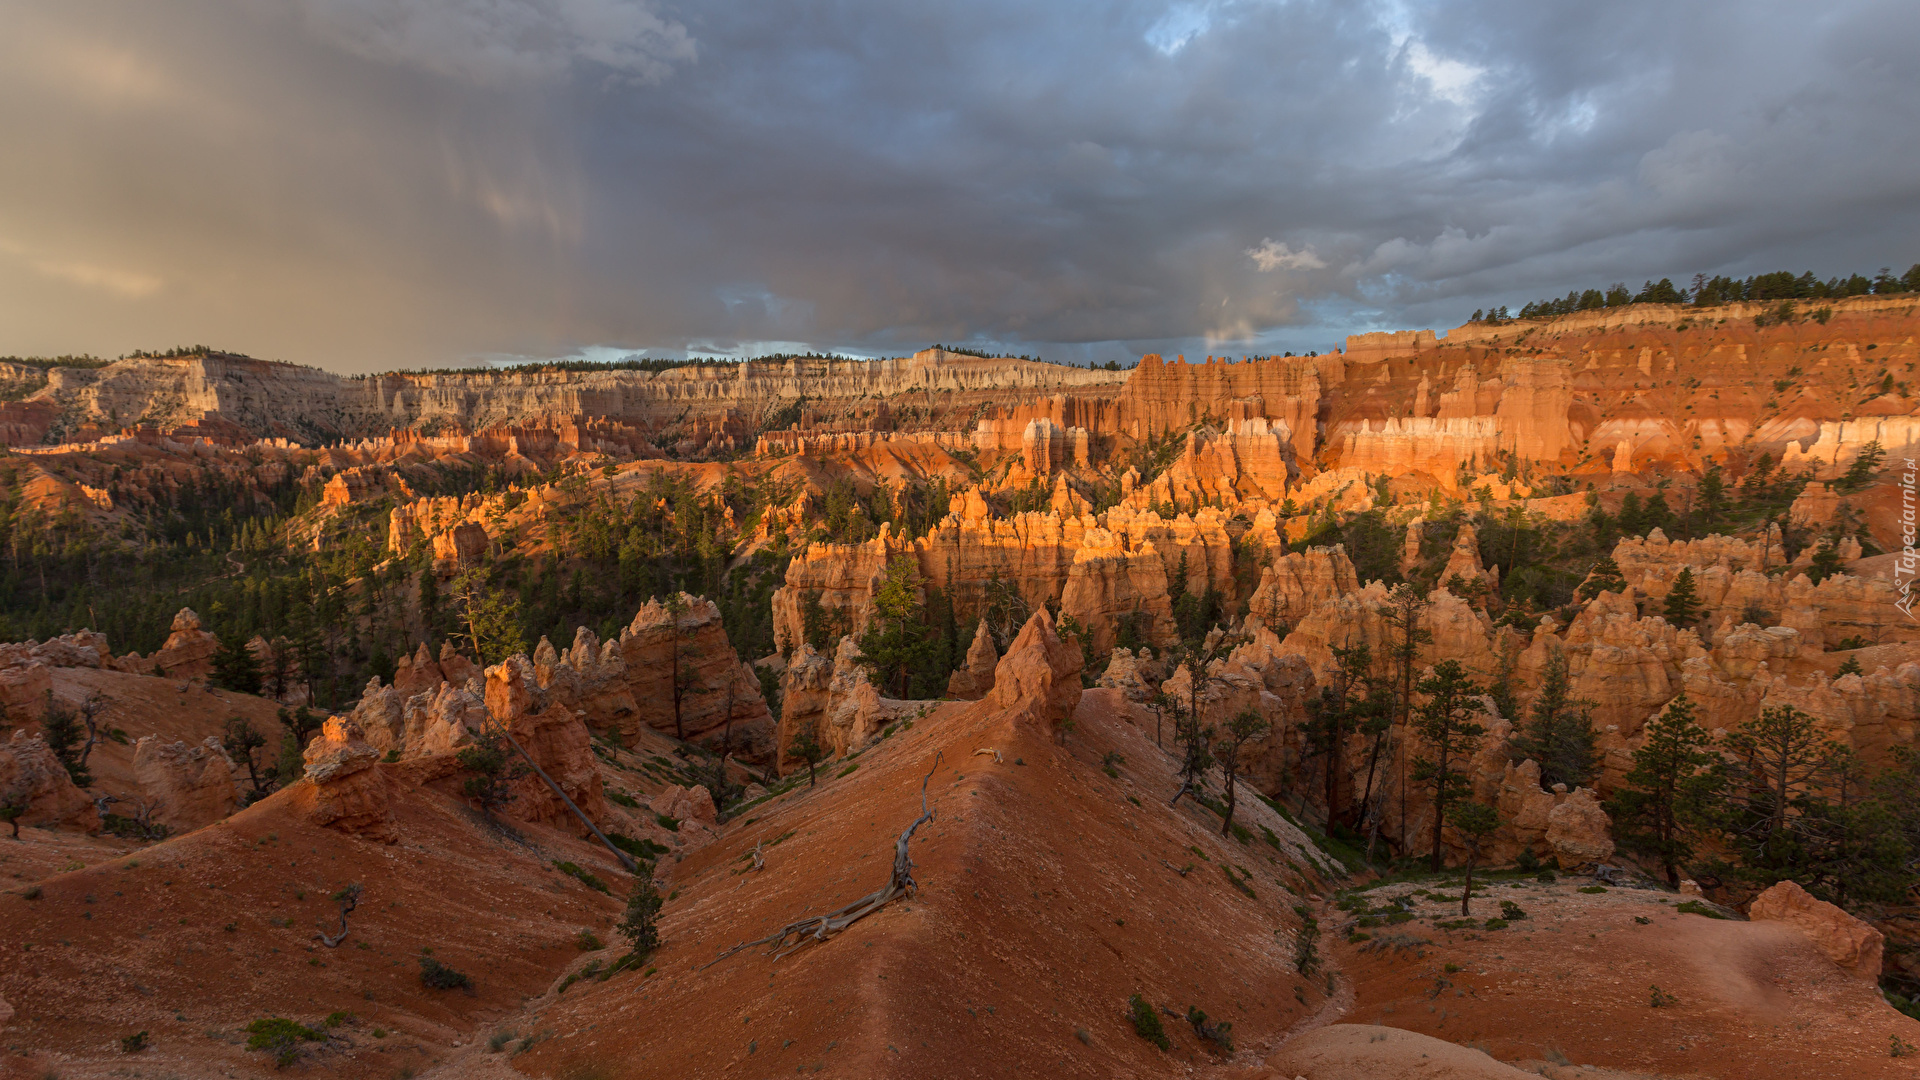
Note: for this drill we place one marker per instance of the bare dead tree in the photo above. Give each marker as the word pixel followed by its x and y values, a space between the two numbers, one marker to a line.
pixel 90 711
pixel 821 927
pixel 348 897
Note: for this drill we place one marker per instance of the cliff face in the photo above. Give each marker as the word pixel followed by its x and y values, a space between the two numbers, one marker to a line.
pixel 254 398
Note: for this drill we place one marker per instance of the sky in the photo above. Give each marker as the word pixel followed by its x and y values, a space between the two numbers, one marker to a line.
pixel 372 184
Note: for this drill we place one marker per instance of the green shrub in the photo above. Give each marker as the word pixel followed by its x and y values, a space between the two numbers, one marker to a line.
pixel 438 976
pixel 1146 1022
pixel 586 878
pixel 1511 911
pixel 1496 924
pixel 1593 888
pixel 1695 907
pixel 1660 999
pixel 134 1043
pixel 281 1037
pixel 639 849
pixel 623 799
pixel 588 941
pixel 671 824
pixel 1220 1034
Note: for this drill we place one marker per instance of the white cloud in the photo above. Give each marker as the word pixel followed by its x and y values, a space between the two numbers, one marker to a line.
pixel 490 41
pixel 1179 25
pixel 1271 256
pixel 1451 80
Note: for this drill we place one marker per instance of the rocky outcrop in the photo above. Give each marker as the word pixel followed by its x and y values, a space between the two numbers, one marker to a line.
pixel 343 788
pixel 1732 582
pixel 1299 583
pixel 1463 561
pixel 24 686
pixel 1134 676
pixel 463 545
pixel 686 655
pixel 555 737
pixel 1038 682
pixel 185 786
pixel 694 804
pixel 806 700
pixel 189 649
pixel 29 771
pixel 434 721
pixel 1849 942
pixel 1579 832
pixel 972 682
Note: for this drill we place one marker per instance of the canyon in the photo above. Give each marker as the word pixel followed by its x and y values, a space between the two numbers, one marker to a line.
pixel 726 629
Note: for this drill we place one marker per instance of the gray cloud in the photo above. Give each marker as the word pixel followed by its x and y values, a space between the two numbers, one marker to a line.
pixel 362 185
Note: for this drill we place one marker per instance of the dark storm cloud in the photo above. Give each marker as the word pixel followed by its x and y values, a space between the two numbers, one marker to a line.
pixel 360 183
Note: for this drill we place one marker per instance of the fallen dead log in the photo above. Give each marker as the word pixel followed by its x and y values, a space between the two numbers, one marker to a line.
pixel 800 932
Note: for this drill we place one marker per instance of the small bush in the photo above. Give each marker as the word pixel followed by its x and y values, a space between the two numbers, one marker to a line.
pixel 438 976
pixel 1306 953
pixel 1220 1034
pixel 335 1019
pixel 1593 888
pixel 1239 882
pixel 1146 1022
pixel 1496 924
pixel 1642 920
pixel 588 941
pixel 1695 907
pixel 1547 876
pixel 499 1040
pixel 31 892
pixel 1511 911
pixel 639 849
pixel 623 799
pixel 1899 1047
pixel 1660 999
pixel 281 1037
pixel 134 1043
pixel 585 877
pixel 671 824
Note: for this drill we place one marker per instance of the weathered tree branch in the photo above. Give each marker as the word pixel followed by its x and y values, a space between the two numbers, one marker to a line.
pixel 349 897
pixel 821 927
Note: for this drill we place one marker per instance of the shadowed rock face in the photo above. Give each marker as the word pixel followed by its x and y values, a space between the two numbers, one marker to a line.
pixel 30 771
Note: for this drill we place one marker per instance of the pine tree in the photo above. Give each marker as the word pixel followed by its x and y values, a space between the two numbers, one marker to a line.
pixel 1477 821
pixel 1558 733
pixel 1654 809
pixel 806 746
pixel 1825 563
pixel 1446 724
pixel 1349 700
pixel 61 729
pixel 1683 602
pixel 896 643
pixel 1764 794
pixel 240 740
pixel 1711 498
pixel 641 923
pixel 493 772
pixel 1247 724
pixel 234 667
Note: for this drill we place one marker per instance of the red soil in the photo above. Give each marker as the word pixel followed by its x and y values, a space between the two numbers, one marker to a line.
pixel 1044 903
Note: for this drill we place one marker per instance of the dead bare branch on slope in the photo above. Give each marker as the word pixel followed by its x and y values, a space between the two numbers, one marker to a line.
pixel 821 927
